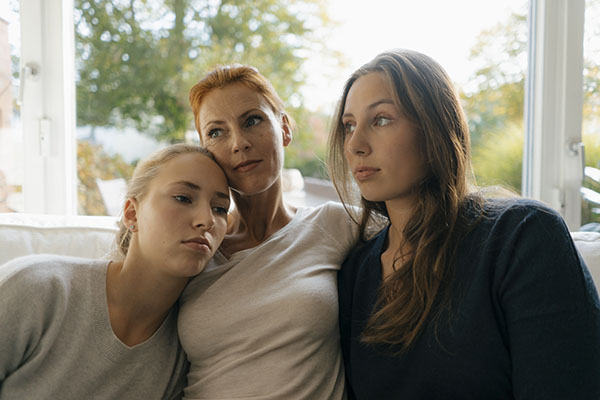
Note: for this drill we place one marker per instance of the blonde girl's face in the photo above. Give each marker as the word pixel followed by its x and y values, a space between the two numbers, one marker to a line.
pixel 380 143
pixel 245 135
pixel 182 219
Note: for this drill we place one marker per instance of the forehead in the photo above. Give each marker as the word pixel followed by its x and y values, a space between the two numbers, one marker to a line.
pixel 367 90
pixel 192 167
pixel 231 100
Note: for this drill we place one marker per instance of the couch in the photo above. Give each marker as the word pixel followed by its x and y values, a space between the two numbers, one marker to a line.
pixel 94 237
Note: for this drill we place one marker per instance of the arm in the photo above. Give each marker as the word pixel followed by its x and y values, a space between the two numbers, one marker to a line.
pixel 21 331
pixel 551 310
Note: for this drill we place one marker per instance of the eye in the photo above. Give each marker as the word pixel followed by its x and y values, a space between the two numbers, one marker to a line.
pixel 349 128
pixel 382 121
pixel 220 210
pixel 215 132
pixel 253 121
pixel 182 198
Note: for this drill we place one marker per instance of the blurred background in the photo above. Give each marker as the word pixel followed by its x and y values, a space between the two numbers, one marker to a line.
pixel 134 61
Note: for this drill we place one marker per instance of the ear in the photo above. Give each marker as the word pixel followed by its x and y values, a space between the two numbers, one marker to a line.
pixel 130 212
pixel 286 127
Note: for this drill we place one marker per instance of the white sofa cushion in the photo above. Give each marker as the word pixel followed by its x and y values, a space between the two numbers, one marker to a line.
pixel 588 244
pixel 80 236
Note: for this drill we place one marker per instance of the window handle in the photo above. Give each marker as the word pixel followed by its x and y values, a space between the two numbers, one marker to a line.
pixel 29 71
pixel 577 149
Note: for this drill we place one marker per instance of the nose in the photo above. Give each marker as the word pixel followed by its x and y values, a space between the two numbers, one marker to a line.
pixel 240 142
pixel 204 218
pixel 357 143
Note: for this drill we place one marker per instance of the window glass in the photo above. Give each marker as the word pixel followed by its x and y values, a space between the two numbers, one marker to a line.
pixel 481 44
pixel 590 211
pixel 11 137
pixel 136 61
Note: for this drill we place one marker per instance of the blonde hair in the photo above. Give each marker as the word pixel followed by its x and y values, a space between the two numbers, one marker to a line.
pixel 418 289
pixel 144 173
pixel 224 75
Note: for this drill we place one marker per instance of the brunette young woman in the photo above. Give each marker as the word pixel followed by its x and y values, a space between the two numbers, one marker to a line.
pixel 75 328
pixel 262 321
pixel 459 296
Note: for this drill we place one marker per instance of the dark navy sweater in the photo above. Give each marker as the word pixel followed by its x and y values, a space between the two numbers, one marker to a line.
pixel 524 322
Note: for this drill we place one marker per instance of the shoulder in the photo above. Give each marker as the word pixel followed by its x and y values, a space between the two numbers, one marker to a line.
pixel 330 211
pixel 515 215
pixel 519 207
pixel 44 273
pixel 333 220
pixel 364 252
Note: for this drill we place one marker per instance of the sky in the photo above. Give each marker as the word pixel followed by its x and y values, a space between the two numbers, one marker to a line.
pixel 444 30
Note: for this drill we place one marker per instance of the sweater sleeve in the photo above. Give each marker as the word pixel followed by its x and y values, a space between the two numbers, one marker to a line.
pixel 551 310
pixel 24 307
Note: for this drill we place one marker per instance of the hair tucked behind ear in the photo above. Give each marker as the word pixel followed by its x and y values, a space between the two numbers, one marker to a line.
pixel 144 173
pixel 418 289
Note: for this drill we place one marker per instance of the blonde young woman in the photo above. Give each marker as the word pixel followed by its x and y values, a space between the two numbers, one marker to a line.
pixel 262 321
pixel 76 328
pixel 459 296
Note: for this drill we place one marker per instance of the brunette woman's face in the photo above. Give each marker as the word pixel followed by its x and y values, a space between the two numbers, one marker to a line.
pixel 245 135
pixel 380 144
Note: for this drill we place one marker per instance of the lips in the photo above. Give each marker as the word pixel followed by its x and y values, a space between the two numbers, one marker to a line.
pixel 246 165
pixel 363 172
pixel 198 243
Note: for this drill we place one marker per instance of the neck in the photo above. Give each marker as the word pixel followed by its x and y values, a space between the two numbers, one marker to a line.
pixel 396 249
pixel 139 299
pixel 399 212
pixel 263 214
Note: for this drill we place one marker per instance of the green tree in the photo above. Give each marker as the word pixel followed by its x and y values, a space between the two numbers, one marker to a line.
pixel 495 107
pixel 137 59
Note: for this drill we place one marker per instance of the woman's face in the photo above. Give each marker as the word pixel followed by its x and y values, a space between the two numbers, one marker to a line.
pixel 381 144
pixel 182 218
pixel 245 135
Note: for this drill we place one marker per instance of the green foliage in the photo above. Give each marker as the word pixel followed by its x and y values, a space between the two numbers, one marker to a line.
pixel 495 107
pixel 498 160
pixel 93 163
pixel 138 59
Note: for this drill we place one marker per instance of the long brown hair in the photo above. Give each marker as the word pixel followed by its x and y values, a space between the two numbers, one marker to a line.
pixel 417 290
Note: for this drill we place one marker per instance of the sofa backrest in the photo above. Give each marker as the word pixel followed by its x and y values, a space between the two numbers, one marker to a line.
pixel 94 237
pixel 79 236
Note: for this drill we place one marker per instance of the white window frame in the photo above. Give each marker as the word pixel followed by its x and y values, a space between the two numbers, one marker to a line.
pixel 553 156
pixel 552 164
pixel 48 106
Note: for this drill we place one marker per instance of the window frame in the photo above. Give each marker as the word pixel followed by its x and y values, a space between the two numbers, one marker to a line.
pixel 48 107
pixel 553 154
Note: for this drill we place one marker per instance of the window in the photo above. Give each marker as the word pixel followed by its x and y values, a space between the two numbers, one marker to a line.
pixel 140 118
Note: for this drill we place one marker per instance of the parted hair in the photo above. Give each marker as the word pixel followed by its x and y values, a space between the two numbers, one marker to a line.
pixel 418 289
pixel 224 75
pixel 143 174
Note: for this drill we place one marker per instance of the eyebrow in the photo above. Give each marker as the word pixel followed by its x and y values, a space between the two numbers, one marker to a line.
pixel 193 186
pixel 250 111
pixel 373 105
